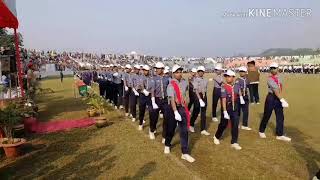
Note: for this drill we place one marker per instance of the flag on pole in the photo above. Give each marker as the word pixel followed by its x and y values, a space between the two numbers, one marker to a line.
pixel 8 14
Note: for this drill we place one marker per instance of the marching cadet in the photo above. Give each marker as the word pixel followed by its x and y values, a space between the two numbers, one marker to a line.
pixel 109 84
pixel 244 98
pixel 216 95
pixel 179 113
pixel 121 87
pixel 159 101
pixel 200 86
pixel 134 79
pixel 230 97
pixel 193 75
pixel 146 83
pixel 117 88
pixel 127 88
pixel 274 101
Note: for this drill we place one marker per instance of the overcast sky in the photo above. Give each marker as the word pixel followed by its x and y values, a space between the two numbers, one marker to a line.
pixel 165 27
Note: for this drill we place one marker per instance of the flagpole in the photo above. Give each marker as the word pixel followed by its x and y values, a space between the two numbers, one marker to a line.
pixel 18 61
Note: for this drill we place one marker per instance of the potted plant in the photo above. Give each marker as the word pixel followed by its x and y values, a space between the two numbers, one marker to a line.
pixel 9 118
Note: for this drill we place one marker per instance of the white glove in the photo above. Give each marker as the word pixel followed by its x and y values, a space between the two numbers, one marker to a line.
pixel 177 116
pixel 135 92
pixel 126 88
pixel 202 104
pixel 115 74
pixel 145 92
pixel 284 103
pixel 226 115
pixel 154 104
pixel 242 100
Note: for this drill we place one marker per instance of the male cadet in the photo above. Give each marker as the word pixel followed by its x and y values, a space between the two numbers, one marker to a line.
pixel 127 88
pixel 193 75
pixel 274 101
pixel 244 98
pixel 117 87
pixel 146 84
pixel 178 112
pixel 159 100
pixel 134 79
pixel 254 78
pixel 217 83
pixel 109 84
pixel 200 86
pixel 230 97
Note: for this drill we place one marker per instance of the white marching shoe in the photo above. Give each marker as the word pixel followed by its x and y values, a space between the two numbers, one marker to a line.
pixel 206 133
pixel 236 146
pixel 115 107
pixel 216 141
pixel 127 114
pixel 187 157
pixel 151 135
pixel 144 122
pixel 167 150
pixel 246 128
pixel 140 127
pixel 214 119
pixel 161 115
pixel 121 107
pixel 283 138
pixel 133 119
pixel 163 140
pixel 262 135
pixel 191 129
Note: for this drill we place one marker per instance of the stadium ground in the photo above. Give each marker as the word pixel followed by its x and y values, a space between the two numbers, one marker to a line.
pixel 120 151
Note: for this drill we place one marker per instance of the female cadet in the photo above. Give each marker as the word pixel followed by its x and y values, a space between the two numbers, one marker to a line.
pixel 193 75
pixel 216 95
pixel 179 113
pixel 127 88
pixel 230 97
pixel 274 101
pixel 200 86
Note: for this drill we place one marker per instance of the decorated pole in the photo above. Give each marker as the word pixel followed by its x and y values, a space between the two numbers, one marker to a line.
pixel 18 61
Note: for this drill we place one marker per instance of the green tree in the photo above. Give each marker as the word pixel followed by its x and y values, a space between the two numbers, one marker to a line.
pixel 7 39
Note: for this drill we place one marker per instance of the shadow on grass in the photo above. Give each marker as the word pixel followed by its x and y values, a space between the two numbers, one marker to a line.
pixel 143 171
pixel 40 159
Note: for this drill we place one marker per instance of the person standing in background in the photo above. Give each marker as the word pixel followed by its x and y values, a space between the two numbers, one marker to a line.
pixel 254 78
pixel 61 76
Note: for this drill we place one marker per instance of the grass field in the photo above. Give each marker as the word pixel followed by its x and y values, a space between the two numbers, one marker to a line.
pixel 120 151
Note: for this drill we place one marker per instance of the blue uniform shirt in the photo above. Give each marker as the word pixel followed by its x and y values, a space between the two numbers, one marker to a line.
pixel 243 83
pixel 160 86
pixel 183 86
pixel 228 95
pixel 218 80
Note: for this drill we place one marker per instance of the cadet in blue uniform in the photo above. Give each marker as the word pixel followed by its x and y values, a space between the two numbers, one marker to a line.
pixel 274 101
pixel 145 97
pixel 244 98
pixel 192 95
pixel 127 88
pixel 216 95
pixel 134 79
pixel 117 87
pixel 178 113
pixel 230 97
pixel 200 87
pixel 159 100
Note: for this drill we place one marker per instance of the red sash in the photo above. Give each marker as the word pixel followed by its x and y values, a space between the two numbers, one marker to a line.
pixel 276 80
pixel 230 90
pixel 181 100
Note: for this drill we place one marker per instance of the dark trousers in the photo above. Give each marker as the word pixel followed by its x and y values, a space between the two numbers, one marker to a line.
pixel 101 88
pixel 272 103
pixel 234 119
pixel 127 100
pixel 196 111
pixel 117 99
pixel 144 101
pixel 215 98
pixel 244 108
pixel 254 93
pixel 191 99
pixel 164 107
pixel 183 129
pixel 133 104
pixel 108 90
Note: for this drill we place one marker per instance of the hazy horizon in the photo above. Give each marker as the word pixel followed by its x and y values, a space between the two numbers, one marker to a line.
pixel 165 28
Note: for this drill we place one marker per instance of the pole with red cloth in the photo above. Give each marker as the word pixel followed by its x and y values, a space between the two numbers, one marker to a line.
pixel 18 62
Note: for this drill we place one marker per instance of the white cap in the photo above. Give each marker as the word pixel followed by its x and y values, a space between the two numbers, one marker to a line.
pixel 166 71
pixel 218 67
pixel 146 67
pixel 201 68
pixel 159 65
pixel 274 65
pixel 128 66
pixel 176 67
pixel 230 73
pixel 194 70
pixel 137 66
pixel 167 67
pixel 107 66
pixel 242 68
pixel 111 65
